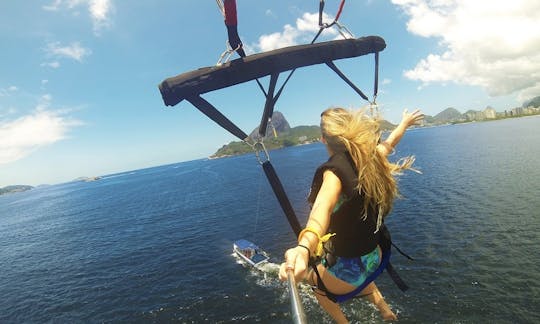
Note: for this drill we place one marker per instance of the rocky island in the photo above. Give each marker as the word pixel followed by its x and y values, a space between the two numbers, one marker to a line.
pixel 87 179
pixel 14 188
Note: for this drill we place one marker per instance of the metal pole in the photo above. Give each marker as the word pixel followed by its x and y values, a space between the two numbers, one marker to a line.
pixel 297 309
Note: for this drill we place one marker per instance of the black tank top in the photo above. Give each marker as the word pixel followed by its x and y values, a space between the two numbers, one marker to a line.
pixel 354 235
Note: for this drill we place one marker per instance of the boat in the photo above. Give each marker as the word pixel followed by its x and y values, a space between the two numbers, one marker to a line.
pixel 250 252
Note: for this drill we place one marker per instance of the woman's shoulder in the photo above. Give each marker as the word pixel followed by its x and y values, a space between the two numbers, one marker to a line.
pixel 342 166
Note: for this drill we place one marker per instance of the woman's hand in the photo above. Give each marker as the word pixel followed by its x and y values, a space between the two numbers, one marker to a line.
pixel 409 119
pixel 387 147
pixel 297 260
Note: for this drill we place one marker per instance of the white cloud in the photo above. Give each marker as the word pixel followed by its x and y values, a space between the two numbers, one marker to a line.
pixel 55 6
pixel 494 44
pixel 73 51
pixel 99 10
pixel 53 64
pixel 7 111
pixel 7 91
pixel 21 137
pixel 46 98
pixel 303 32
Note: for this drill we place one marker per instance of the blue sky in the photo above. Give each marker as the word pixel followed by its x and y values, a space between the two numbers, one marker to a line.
pixel 78 78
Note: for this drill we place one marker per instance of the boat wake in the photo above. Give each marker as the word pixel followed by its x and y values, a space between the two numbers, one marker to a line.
pixel 267 275
pixel 270 268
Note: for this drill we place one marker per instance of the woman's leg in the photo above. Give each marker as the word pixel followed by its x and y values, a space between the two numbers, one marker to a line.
pixel 340 287
pixel 373 294
pixel 329 306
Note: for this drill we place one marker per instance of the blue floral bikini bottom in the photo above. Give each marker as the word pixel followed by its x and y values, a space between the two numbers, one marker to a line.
pixel 355 270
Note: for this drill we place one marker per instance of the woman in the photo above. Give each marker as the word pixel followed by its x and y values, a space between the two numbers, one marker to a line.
pixel 351 194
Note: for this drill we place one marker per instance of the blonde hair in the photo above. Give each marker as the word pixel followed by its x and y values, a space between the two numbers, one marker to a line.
pixel 359 134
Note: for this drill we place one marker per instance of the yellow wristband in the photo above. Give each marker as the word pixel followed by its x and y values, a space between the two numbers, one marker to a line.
pixel 308 229
pixel 321 240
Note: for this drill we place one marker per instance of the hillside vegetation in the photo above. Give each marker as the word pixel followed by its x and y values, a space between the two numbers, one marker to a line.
pixel 286 136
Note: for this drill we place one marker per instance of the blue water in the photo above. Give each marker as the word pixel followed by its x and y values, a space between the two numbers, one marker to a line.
pixel 154 245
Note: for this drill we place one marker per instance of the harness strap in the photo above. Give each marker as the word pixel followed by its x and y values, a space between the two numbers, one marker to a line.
pixel 376 81
pixel 209 110
pixel 344 77
pixel 401 252
pixel 277 187
pixel 269 104
pixel 320 283
pixel 231 22
pixel 340 10
pixel 396 278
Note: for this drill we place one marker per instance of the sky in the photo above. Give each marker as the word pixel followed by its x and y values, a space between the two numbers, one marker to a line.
pixel 79 78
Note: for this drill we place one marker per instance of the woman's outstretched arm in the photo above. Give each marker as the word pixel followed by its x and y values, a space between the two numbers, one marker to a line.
pixel 387 146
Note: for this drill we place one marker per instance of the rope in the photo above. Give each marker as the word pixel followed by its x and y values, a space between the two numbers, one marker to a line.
pixel 221 7
pixel 321 10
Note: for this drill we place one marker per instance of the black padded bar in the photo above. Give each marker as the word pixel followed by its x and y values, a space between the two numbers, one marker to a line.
pixel 190 84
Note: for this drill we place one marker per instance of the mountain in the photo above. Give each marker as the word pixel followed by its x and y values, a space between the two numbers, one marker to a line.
pixel 386 125
pixel 278 123
pixel 448 115
pixel 278 134
pixel 534 102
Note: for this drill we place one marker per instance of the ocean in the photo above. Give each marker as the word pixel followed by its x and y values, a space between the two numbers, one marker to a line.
pixel 155 245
